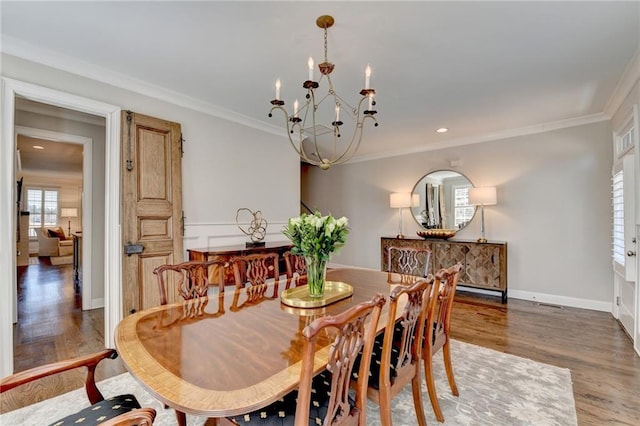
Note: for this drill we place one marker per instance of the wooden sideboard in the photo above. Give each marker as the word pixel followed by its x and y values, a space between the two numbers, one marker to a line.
pixel 225 253
pixel 484 264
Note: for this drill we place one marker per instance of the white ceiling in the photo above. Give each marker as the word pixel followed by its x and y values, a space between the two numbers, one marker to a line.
pixel 481 69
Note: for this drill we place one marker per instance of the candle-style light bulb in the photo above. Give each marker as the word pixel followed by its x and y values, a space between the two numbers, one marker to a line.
pixel 337 112
pixel 371 102
pixel 367 77
pixel 310 63
pixel 295 108
pixel 277 89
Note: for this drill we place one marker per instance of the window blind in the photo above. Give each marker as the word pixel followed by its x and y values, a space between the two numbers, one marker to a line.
pixel 617 202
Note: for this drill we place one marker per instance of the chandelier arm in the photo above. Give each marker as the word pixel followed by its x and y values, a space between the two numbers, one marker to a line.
pixel 358 132
pixel 290 130
pixel 313 118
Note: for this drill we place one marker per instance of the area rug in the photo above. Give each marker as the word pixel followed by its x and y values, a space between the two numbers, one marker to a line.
pixel 61 260
pixel 495 389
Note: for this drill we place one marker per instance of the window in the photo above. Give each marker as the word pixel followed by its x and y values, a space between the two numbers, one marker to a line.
pixel 43 208
pixel 617 202
pixel 463 212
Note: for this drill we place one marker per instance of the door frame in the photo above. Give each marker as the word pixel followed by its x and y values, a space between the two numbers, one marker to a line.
pixel 631 154
pixel 86 200
pixel 112 274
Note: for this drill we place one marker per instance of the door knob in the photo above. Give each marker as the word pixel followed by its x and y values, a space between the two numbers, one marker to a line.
pixel 631 253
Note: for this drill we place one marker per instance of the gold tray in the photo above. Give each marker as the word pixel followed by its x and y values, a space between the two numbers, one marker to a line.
pixel 298 297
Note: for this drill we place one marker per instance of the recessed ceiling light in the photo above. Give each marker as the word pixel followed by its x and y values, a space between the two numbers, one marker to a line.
pixel 442 130
pixel 38 147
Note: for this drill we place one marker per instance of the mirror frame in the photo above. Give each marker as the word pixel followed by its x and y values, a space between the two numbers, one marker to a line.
pixel 418 188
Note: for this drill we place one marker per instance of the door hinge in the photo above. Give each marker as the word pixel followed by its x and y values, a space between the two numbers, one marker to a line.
pixel 129 154
pixel 617 300
pixel 182 222
pixel 182 141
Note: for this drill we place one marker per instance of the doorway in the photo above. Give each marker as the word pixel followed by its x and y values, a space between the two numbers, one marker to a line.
pixel 626 307
pixel 44 167
pixel 8 217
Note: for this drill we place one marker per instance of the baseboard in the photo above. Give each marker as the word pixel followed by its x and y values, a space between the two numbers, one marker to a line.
pixel 97 303
pixel 573 302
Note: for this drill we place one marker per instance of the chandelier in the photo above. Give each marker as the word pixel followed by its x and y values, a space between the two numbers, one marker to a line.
pixel 321 144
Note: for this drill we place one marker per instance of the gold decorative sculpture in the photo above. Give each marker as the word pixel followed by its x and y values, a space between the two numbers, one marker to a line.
pixel 257 226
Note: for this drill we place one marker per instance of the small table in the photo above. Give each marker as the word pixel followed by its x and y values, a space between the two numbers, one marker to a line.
pixel 233 353
pixel 225 253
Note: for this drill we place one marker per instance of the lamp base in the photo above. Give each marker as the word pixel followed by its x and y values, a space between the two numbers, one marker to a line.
pixel 482 240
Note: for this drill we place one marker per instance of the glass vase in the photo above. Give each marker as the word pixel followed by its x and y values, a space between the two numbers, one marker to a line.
pixel 316 274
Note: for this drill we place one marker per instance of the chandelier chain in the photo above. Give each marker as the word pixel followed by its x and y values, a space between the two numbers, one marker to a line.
pixel 325 44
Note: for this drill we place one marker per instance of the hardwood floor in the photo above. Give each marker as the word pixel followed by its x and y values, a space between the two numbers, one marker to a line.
pixel 604 368
pixel 52 327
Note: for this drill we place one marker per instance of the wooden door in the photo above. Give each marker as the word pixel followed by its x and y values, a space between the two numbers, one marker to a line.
pixel 151 205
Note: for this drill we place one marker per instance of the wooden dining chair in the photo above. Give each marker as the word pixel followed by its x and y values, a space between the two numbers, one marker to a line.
pixel 255 269
pixel 397 353
pixel 325 398
pixel 406 265
pixel 115 411
pixel 438 331
pixel 296 269
pixel 189 280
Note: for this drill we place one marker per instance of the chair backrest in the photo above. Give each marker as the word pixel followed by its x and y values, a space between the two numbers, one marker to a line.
pixel 439 315
pixel 189 279
pixel 353 334
pixel 255 269
pixel 296 269
pixel 406 334
pixel 406 265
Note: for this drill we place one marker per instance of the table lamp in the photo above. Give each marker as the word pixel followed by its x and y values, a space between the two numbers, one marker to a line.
pixel 69 213
pixel 485 196
pixel 400 200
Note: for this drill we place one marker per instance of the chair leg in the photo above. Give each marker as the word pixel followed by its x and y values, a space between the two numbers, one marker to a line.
pixel 431 388
pixel 416 387
pixel 446 353
pixel 384 401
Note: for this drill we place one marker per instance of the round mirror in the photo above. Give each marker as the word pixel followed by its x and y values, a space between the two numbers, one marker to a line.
pixel 444 200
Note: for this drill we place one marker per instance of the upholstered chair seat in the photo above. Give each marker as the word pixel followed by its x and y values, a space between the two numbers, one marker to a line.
pixel 101 411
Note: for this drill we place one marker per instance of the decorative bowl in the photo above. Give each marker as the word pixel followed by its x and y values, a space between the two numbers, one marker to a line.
pixel 442 234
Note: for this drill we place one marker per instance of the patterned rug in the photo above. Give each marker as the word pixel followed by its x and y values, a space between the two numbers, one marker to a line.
pixel 495 389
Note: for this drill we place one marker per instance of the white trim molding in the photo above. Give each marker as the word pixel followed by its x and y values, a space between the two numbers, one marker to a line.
pixel 113 305
pixel 629 78
pixel 37 54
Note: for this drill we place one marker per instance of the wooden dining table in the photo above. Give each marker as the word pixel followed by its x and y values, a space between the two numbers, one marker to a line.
pixel 235 352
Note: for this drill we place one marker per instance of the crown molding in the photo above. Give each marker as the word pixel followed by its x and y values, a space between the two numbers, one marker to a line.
pixel 511 133
pixel 21 49
pixel 629 78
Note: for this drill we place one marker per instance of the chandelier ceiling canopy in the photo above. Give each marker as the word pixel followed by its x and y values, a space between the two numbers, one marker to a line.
pixel 315 128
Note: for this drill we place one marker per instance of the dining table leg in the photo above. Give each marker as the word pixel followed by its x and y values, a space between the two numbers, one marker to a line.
pixel 181 418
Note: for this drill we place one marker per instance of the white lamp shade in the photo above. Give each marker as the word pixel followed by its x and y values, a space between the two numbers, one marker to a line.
pixel 69 212
pixel 415 200
pixel 400 199
pixel 485 196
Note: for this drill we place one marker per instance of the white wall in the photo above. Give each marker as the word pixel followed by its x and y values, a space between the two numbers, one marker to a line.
pixel 225 165
pixel 553 208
